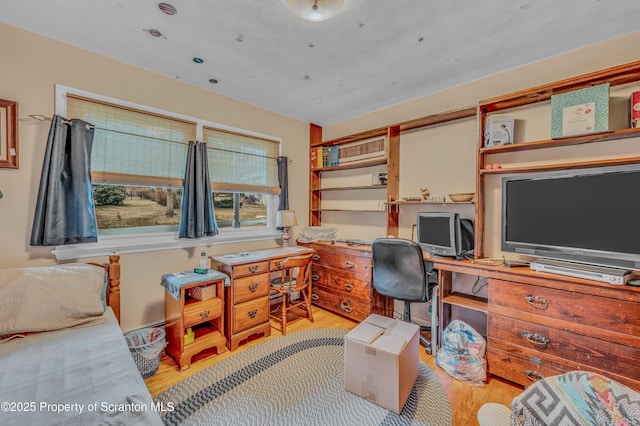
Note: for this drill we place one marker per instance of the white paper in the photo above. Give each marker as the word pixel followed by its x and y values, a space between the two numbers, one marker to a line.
pixel 579 119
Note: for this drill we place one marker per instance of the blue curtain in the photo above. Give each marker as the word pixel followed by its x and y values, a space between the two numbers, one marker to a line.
pixel 283 181
pixel 65 213
pixel 197 219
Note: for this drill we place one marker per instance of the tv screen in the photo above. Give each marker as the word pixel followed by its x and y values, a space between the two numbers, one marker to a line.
pixel 584 215
pixel 444 233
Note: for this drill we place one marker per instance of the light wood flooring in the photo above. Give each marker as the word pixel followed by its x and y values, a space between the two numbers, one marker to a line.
pixel 465 399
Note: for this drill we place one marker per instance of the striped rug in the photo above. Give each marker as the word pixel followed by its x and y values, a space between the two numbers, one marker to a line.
pixel 297 379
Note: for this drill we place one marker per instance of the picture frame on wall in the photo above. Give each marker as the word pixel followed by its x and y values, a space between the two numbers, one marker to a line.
pixel 8 134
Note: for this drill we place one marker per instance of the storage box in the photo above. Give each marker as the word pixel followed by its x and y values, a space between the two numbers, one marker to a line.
pixel 381 360
pixel 635 110
pixel 498 130
pixel 203 292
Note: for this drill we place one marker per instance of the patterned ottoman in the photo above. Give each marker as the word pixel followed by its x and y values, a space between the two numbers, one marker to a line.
pixel 576 398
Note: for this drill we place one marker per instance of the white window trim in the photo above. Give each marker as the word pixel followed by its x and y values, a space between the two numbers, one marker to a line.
pixel 138 243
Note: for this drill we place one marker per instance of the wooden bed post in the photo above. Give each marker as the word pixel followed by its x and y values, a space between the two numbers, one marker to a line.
pixel 113 292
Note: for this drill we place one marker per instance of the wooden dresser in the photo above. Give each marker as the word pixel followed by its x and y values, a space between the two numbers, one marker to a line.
pixel 247 299
pixel 542 324
pixel 342 283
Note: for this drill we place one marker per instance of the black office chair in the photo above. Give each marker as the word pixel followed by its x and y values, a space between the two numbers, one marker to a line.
pixel 400 272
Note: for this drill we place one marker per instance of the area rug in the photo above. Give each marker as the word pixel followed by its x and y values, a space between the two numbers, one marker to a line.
pixel 297 379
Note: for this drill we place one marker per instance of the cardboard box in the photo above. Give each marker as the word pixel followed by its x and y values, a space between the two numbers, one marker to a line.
pixel 498 130
pixel 203 292
pixel 381 360
pixel 635 110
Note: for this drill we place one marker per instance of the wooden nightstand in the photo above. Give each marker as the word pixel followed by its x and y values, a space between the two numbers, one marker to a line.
pixel 204 317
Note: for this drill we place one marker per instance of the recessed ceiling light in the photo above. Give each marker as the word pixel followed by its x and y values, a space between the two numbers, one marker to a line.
pixel 154 32
pixel 167 8
pixel 213 81
pixel 198 60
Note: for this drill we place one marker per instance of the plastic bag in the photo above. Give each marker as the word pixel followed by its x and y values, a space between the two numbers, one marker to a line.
pixel 462 353
pixel 317 233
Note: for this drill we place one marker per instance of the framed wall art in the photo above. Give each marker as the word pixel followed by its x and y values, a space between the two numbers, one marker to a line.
pixel 8 134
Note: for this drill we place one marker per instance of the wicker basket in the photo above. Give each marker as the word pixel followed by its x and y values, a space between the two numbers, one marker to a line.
pixel 462 197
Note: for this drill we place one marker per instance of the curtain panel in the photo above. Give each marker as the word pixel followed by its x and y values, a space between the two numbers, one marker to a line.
pixel 65 212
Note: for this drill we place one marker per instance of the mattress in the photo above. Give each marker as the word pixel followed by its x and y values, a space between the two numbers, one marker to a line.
pixel 76 376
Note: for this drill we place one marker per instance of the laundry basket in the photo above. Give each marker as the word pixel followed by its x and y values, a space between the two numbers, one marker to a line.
pixel 146 347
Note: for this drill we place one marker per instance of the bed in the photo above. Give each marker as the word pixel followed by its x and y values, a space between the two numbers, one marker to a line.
pixel 69 364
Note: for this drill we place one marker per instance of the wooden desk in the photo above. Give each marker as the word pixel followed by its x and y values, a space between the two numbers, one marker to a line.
pixel 247 298
pixel 541 324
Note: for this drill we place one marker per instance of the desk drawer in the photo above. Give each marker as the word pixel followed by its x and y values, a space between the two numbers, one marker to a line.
pixel 198 312
pixel 340 303
pixel 611 314
pixel 358 289
pixel 518 369
pixel 249 314
pixel 250 269
pixel 249 288
pixel 352 264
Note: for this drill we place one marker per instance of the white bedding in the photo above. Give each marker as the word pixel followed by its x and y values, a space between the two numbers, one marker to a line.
pixel 77 376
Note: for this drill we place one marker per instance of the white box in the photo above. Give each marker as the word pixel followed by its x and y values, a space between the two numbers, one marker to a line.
pixel 498 130
pixel 381 360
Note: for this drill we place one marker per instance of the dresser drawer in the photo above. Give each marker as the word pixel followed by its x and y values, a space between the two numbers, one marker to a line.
pixel 201 311
pixel 584 309
pixel 249 314
pixel 358 289
pixel 353 264
pixel 570 346
pixel 250 269
pixel 340 303
pixel 249 288
pixel 518 369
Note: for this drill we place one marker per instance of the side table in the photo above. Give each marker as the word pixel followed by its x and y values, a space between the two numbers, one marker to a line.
pixel 203 314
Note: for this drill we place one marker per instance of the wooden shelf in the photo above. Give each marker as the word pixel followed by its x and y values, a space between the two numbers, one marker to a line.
pixel 357 165
pixel 574 140
pixel 352 188
pixel 467 301
pixel 350 210
pixel 405 202
pixel 563 166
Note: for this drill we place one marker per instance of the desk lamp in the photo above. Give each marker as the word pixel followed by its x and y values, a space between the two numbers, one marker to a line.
pixel 285 219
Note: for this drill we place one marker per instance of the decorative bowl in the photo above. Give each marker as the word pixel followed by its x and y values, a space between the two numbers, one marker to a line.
pixel 462 197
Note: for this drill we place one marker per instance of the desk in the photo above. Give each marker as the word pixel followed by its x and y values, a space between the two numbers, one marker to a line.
pixel 247 298
pixel 540 324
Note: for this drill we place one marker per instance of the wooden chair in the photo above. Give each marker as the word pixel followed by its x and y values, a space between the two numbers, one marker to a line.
pixel 295 277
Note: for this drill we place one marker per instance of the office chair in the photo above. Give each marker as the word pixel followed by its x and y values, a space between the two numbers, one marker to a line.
pixel 295 277
pixel 400 272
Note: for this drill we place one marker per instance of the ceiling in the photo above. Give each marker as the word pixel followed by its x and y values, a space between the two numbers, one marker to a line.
pixel 372 54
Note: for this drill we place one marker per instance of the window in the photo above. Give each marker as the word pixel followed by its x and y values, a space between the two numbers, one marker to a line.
pixel 137 164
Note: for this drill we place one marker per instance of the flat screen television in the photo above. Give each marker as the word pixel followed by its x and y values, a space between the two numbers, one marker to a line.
pixel 445 234
pixel 585 216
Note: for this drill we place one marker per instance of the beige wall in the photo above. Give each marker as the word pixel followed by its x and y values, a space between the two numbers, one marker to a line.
pixel 31 66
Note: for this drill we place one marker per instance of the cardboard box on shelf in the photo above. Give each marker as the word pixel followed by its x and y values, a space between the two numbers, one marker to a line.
pixel 381 360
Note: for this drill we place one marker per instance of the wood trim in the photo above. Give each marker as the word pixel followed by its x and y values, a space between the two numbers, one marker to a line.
pixel 11 134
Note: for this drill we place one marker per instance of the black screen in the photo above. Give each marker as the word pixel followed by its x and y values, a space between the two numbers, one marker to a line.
pixel 435 231
pixel 595 211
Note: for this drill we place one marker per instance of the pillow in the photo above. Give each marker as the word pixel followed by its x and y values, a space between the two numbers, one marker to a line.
pixel 50 298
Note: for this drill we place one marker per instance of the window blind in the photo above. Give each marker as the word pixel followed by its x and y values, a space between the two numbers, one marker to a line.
pixel 134 147
pixel 241 163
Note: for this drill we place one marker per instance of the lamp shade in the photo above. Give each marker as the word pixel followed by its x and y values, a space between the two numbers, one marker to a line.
pixel 286 218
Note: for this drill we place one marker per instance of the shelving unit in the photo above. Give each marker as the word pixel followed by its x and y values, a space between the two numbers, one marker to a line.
pixel 392 161
pixel 624 74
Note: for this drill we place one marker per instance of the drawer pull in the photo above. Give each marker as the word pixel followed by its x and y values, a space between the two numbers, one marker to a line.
pixel 348 286
pixel 253 313
pixel 534 376
pixel 204 314
pixel 315 277
pixel 535 339
pixel 314 296
pixel 253 268
pixel 278 264
pixel 348 264
pixel 537 302
pixel 315 257
pixel 344 306
pixel 253 287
